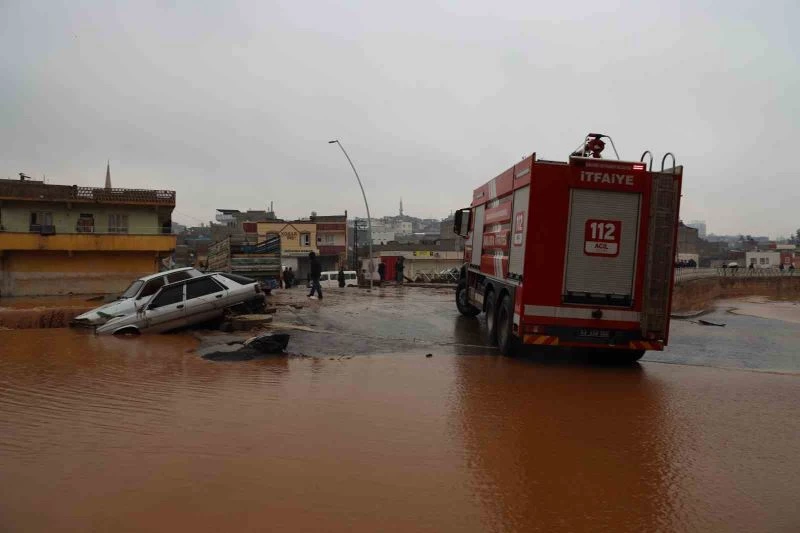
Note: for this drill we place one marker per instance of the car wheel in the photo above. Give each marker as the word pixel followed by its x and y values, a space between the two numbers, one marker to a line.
pixel 490 302
pixel 506 340
pixel 462 300
pixel 127 332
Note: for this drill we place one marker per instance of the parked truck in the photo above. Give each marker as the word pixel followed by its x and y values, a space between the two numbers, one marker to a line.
pixel 257 260
pixel 573 254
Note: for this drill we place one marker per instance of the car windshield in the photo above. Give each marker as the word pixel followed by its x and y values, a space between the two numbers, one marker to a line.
pixel 131 291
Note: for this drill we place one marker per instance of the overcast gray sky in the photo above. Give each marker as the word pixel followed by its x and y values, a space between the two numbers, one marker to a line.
pixel 232 103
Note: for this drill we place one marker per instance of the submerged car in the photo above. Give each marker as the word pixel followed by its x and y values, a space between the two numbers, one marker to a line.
pixel 189 302
pixel 134 296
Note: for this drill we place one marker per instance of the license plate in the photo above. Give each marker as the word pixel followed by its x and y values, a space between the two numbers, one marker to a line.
pixel 594 333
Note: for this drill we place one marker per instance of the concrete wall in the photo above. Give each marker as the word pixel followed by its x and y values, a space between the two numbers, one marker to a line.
pixel 144 219
pixel 47 273
pixel 700 294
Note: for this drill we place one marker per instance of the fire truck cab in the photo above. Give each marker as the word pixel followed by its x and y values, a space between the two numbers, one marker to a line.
pixel 573 254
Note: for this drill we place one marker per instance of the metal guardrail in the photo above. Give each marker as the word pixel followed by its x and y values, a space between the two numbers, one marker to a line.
pixel 686 274
pixel 439 276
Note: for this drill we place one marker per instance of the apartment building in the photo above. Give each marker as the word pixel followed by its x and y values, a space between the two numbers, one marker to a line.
pixel 65 239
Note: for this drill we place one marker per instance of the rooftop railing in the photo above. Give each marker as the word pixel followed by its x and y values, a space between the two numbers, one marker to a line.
pixel 23 190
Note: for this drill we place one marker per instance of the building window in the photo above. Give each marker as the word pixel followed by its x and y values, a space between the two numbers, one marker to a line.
pixel 85 223
pixel 330 239
pixel 753 260
pixel 305 239
pixel 41 220
pixel 763 261
pixel 118 223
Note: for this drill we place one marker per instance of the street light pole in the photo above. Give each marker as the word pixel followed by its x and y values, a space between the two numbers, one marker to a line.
pixel 369 219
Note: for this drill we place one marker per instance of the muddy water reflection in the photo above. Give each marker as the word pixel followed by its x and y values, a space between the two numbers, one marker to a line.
pixel 101 434
pixel 581 448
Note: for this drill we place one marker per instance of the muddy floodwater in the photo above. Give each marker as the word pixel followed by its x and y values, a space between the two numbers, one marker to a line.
pixel 359 431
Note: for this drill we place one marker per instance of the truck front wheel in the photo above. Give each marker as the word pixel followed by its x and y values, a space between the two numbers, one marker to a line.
pixel 506 340
pixel 462 300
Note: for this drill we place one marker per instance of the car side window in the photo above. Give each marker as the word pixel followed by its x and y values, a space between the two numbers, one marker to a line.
pixel 178 276
pixel 170 295
pixel 201 287
pixel 151 287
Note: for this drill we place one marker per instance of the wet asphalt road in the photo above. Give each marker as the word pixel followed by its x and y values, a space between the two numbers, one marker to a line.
pixel 425 320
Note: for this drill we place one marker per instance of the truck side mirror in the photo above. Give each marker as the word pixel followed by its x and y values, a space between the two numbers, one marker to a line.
pixel 461 222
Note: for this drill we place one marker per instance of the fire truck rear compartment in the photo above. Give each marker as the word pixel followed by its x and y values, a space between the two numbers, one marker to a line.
pixel 605 276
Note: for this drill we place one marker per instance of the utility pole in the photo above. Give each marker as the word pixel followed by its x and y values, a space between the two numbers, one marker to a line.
pixel 370 268
pixel 355 245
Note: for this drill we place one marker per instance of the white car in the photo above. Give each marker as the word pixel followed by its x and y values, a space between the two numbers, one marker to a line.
pixel 134 296
pixel 330 279
pixel 188 302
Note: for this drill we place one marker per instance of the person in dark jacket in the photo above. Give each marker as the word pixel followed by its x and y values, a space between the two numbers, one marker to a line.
pixel 316 272
pixel 382 271
pixel 341 277
pixel 400 266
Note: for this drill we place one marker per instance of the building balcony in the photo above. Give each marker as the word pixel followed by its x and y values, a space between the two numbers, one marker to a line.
pixel 77 242
pixel 331 250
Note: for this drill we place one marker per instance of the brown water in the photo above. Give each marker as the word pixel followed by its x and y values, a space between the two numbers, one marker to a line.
pixel 107 434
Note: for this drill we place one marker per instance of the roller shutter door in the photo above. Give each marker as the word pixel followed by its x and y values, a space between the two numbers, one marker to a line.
pixel 601 247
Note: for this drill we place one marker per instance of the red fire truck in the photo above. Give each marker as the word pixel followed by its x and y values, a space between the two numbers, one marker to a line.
pixel 577 254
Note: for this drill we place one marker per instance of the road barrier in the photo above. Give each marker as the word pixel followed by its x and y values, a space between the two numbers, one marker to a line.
pixel 686 274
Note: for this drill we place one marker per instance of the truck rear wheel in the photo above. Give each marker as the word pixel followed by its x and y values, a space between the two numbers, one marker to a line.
pixel 462 300
pixel 490 301
pixel 506 340
pixel 629 356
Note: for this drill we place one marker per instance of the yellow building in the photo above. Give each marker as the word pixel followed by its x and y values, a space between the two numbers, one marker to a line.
pixel 65 239
pixel 297 240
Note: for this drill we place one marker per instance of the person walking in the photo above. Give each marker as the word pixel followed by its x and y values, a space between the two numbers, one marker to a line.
pixel 291 277
pixel 382 271
pixel 316 272
pixel 341 277
pixel 400 267
pixel 285 278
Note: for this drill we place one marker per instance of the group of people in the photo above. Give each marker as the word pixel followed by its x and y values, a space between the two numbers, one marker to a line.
pixel 287 278
pixel 315 271
pixel 399 268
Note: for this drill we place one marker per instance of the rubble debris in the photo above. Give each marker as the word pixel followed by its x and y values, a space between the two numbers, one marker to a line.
pixel 709 323
pixel 262 345
pixel 248 322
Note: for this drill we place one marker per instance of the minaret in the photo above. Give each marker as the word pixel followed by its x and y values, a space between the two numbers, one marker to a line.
pixel 108 175
pixel 401 206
